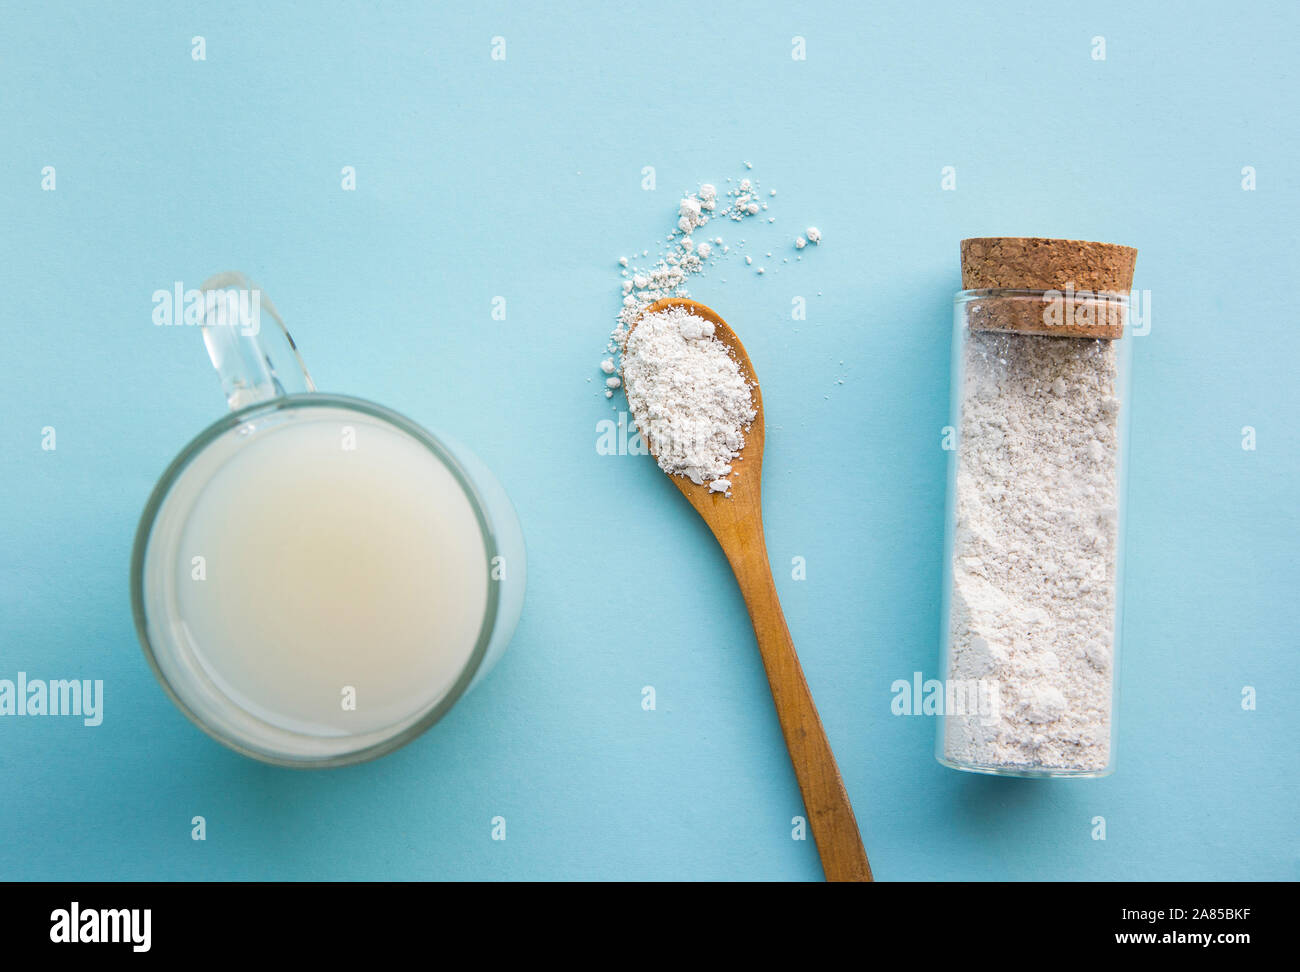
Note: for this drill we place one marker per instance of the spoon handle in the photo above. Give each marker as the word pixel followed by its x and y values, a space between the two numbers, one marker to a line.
pixel 824 798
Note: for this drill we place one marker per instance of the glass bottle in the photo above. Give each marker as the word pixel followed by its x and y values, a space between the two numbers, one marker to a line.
pixel 1035 502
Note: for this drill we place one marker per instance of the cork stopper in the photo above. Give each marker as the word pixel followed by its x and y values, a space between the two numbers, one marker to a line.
pixel 1082 286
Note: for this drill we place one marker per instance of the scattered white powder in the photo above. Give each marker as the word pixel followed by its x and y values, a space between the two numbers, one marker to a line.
pixel 687 396
pixel 692 214
pixel 681 257
pixel 1034 550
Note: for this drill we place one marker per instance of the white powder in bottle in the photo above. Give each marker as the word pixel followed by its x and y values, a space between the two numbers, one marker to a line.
pixel 1034 551
pixel 687 396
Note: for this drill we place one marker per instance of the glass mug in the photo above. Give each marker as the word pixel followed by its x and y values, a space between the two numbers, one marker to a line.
pixel 316 579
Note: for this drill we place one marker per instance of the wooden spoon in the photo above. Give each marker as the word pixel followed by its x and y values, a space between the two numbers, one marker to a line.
pixel 737 523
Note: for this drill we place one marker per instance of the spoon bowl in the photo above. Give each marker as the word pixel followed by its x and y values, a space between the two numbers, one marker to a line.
pixel 745 498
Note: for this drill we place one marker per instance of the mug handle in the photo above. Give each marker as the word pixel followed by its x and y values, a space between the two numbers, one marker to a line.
pixel 254 364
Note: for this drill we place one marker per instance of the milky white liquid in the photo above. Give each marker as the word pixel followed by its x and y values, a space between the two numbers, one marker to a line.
pixel 332 573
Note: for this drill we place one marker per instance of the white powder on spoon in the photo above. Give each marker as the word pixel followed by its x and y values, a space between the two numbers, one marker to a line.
pixel 685 390
pixel 687 396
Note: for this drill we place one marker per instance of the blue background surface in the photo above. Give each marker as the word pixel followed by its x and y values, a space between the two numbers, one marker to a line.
pixel 522 178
